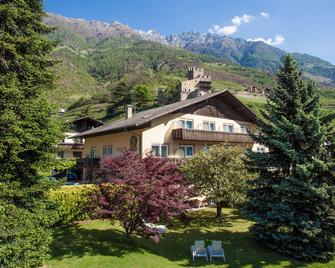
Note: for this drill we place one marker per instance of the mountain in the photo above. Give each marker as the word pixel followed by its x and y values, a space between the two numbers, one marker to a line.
pixel 90 30
pixel 251 54
pixel 236 50
pixel 94 57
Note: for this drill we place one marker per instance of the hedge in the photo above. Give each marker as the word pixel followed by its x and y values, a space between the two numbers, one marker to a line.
pixel 74 203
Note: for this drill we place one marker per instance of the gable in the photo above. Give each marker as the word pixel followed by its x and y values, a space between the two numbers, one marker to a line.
pixel 221 107
pixel 85 123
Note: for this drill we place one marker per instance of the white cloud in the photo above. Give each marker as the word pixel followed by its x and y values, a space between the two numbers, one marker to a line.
pixel 230 29
pixel 245 18
pixel 225 30
pixel 265 15
pixel 277 41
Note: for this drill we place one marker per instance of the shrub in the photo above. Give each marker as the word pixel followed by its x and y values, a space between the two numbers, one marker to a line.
pixel 73 203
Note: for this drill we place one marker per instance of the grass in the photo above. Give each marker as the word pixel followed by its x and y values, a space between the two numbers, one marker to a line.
pixel 222 84
pixel 257 102
pixel 101 244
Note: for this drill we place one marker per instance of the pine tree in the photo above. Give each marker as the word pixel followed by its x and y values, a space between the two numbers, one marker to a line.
pixel 292 200
pixel 120 97
pixel 28 133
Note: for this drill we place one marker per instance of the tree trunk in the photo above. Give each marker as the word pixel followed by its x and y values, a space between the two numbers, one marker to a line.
pixel 218 209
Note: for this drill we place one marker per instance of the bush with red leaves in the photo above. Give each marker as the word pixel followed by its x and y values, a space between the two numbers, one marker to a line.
pixel 140 191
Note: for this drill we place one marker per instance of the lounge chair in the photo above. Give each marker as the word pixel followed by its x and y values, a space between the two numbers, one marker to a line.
pixel 199 250
pixel 160 228
pixel 216 250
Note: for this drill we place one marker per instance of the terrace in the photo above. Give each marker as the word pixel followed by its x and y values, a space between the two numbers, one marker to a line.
pixel 210 132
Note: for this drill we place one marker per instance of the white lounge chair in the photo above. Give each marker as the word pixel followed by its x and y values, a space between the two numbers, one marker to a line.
pixel 216 250
pixel 199 250
pixel 160 228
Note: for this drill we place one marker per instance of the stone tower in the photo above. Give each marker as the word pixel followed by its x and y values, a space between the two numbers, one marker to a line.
pixel 197 84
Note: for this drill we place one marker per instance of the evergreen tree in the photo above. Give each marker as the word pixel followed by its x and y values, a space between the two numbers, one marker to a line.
pixel 120 97
pixel 121 94
pixel 292 200
pixel 28 133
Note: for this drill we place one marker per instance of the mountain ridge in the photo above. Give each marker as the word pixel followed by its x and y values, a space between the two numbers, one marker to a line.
pixel 94 58
pixel 237 50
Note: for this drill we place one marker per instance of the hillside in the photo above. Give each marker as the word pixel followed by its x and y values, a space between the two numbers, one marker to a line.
pixel 88 66
pixel 94 57
pixel 237 50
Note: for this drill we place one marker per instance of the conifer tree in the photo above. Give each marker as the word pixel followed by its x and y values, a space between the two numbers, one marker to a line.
pixel 28 133
pixel 120 94
pixel 292 200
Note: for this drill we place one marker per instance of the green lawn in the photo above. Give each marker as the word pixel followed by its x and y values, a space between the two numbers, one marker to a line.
pixel 257 102
pixel 100 244
pixel 223 84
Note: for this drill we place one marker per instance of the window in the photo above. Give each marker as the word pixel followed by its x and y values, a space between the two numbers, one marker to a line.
pixel 77 154
pixel 76 126
pixel 186 123
pixel 209 125
pixel 107 150
pixel 78 140
pixel 93 153
pixel 245 129
pixel 110 150
pixel 160 150
pixel 187 150
pixel 164 151
pixel 60 154
pixel 228 128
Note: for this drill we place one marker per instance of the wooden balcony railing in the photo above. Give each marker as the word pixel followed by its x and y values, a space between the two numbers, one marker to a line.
pixel 184 134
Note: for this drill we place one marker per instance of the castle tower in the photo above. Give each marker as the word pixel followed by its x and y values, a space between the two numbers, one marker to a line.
pixel 197 84
pixel 194 72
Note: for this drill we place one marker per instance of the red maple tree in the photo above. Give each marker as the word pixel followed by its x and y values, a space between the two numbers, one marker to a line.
pixel 142 191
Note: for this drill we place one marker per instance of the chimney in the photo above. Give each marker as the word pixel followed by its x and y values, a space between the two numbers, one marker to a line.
pixel 129 111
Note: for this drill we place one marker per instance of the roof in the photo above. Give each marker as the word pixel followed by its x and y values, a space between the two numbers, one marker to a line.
pixel 141 119
pixel 88 118
pixel 72 131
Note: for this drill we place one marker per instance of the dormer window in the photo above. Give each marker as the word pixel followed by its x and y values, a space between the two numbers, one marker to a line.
pixel 209 126
pixel 244 129
pixel 228 128
pixel 184 123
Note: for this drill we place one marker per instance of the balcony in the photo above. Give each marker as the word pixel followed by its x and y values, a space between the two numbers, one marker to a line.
pixel 71 146
pixel 184 134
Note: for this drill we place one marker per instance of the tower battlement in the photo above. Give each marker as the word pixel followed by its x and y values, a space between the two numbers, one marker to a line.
pixel 194 72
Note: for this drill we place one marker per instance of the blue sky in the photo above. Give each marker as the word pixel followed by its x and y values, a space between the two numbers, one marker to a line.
pixel 305 26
